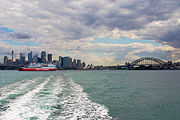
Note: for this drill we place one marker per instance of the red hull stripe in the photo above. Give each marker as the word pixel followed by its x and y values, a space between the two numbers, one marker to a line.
pixel 36 69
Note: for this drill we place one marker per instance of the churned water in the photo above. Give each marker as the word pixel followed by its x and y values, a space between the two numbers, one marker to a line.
pixel 90 95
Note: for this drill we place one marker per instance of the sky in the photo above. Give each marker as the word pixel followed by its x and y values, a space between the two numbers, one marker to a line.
pixel 104 32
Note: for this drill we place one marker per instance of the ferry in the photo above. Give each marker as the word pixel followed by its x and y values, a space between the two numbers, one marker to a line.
pixel 38 67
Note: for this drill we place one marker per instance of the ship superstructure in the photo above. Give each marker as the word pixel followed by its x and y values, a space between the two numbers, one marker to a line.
pixel 38 67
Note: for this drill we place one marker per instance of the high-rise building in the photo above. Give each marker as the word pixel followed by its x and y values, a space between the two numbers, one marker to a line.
pixel 9 62
pixel 17 62
pixel 35 58
pixel 66 62
pixel 39 60
pixel 50 58
pixel 83 64
pixel 60 61
pixel 70 63
pixel 79 64
pixel 56 63
pixel 43 56
pixel 12 55
pixel 30 57
pixel 22 58
pixel 5 60
pixel 74 64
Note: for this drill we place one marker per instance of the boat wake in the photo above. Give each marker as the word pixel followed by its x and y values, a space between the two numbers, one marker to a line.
pixel 55 97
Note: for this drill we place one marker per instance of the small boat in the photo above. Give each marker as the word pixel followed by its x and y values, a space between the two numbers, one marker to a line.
pixel 38 67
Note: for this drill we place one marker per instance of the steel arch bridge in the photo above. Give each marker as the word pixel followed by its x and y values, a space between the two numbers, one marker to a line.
pixel 147 61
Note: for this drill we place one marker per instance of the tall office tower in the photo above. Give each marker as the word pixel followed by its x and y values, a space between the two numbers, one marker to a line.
pixel 83 64
pixel 30 57
pixel 79 64
pixel 60 61
pixel 43 57
pixel 22 58
pixel 74 65
pixel 12 55
pixel 74 61
pixel 5 60
pixel 17 62
pixel 70 63
pixel 35 58
pixel 39 60
pixel 66 62
pixel 56 63
pixel 50 58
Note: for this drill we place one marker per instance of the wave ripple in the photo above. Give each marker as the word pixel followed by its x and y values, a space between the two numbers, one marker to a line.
pixel 55 97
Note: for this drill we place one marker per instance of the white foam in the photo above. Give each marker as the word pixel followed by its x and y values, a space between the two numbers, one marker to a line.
pixel 56 97
pixel 20 107
pixel 77 105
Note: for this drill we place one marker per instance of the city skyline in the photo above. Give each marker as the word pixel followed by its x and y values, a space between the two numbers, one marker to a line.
pixel 105 32
pixel 62 63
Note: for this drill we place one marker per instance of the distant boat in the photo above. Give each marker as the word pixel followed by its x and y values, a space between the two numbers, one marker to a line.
pixel 38 67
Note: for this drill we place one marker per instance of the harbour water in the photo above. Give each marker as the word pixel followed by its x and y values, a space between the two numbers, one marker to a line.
pixel 90 95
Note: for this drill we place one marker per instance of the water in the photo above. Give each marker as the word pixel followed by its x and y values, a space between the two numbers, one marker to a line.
pixel 90 95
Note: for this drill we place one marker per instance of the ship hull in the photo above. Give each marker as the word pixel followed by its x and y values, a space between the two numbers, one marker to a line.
pixel 37 69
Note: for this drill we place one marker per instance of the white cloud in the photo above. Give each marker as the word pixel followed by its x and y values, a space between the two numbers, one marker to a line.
pixel 67 27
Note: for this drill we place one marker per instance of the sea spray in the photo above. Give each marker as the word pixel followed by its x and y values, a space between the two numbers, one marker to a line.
pixel 46 98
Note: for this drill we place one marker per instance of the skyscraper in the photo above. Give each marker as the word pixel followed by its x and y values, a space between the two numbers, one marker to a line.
pixel 12 55
pixel 65 62
pixel 5 60
pixel 74 65
pixel 83 64
pixel 30 57
pixel 50 58
pixel 60 61
pixel 43 56
pixel 79 64
pixel 22 58
pixel 35 58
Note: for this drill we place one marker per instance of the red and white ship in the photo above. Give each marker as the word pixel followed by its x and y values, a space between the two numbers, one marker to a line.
pixel 38 67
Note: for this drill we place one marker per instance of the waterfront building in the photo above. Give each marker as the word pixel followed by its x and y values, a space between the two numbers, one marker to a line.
pixel 9 62
pixel 83 64
pixel 70 63
pixel 39 60
pixel 74 61
pixel 169 62
pixel 56 63
pixel 67 62
pixel 64 62
pixel 5 60
pixel 17 62
pixel 22 58
pixel 79 64
pixel 49 58
pixel 43 57
pixel 74 64
pixel 30 57
pixel 35 58
pixel 12 55
pixel 60 61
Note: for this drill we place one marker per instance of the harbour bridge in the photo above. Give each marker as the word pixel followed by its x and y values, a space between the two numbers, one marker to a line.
pixel 147 61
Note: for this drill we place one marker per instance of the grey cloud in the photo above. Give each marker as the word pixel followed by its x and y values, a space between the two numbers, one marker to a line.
pixel 4 52
pixel 20 36
pixel 60 20
pixel 81 19
pixel 163 55
pixel 172 37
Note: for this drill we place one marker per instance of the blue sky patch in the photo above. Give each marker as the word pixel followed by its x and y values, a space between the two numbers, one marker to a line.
pixel 11 42
pixel 6 29
pixel 123 40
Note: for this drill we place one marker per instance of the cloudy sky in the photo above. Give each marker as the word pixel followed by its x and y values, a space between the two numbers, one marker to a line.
pixel 103 32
